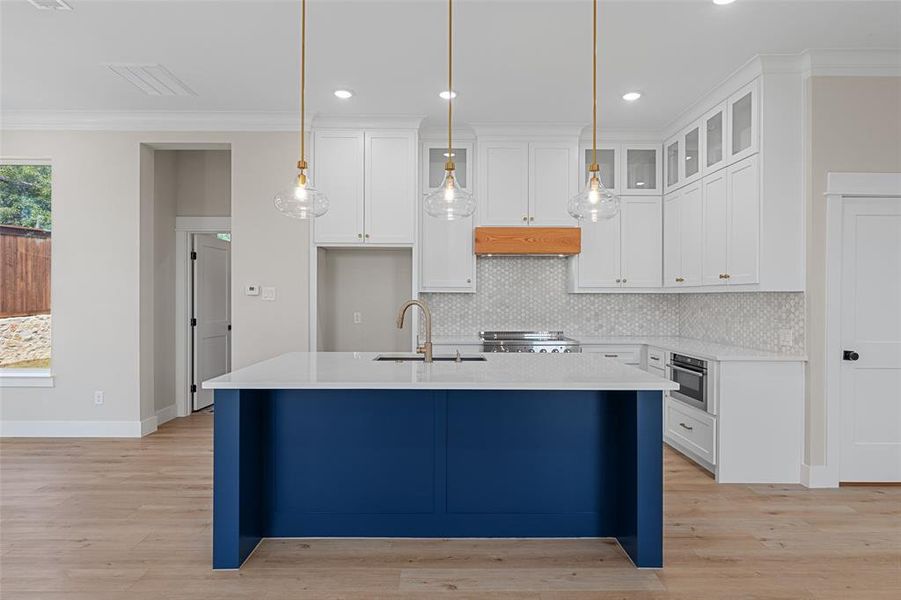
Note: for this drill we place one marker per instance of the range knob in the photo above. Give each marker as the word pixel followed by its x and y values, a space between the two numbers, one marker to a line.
pixel 543 350
pixel 556 350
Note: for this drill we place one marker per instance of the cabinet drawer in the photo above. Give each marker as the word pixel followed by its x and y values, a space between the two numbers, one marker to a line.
pixel 656 358
pixel 692 429
pixel 628 355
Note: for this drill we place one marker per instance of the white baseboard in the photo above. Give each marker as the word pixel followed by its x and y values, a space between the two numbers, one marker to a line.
pixel 77 429
pixel 818 476
pixel 164 415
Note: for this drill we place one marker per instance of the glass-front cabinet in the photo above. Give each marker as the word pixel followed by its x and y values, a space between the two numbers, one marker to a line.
pixel 608 161
pixel 691 155
pixel 446 259
pixel 714 147
pixel 641 169
pixel 672 168
pixel 743 126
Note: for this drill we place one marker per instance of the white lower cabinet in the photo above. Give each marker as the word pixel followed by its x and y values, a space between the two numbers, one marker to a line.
pixel 622 252
pixel 631 355
pixel 690 431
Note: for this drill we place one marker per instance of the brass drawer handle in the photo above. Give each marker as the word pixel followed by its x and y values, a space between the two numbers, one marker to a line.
pixel 679 279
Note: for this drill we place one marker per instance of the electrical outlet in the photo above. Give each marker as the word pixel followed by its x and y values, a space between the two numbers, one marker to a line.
pixel 358 318
pixel 786 337
pixel 98 397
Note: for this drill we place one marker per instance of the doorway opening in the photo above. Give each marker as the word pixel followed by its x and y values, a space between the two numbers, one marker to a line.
pixel 210 312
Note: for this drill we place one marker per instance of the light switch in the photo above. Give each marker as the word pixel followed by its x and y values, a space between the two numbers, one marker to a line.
pixel 268 293
pixel 251 289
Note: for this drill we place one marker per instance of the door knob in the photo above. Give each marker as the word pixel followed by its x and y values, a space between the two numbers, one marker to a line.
pixel 850 355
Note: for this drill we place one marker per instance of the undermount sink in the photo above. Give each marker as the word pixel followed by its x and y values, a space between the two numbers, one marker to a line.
pixel 420 358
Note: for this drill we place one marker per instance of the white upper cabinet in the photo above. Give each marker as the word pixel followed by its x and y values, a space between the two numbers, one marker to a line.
pixel 715 233
pixel 672 165
pixel 743 122
pixel 641 170
pixel 338 172
pixel 608 157
pixel 526 183
pixel 598 266
pixel 641 244
pixel 370 180
pixel 503 190
pixel 691 154
pixel 390 189
pixel 622 252
pixel 446 259
pixel 713 126
pixel 682 231
pixel 732 225
pixel 744 222
pixel 552 182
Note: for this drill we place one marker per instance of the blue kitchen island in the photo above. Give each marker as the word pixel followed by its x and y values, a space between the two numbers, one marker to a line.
pixel 339 444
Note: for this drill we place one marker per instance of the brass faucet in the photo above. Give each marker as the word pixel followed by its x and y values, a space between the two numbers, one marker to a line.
pixel 426 348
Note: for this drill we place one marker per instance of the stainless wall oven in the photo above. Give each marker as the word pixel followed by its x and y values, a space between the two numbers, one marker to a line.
pixel 691 375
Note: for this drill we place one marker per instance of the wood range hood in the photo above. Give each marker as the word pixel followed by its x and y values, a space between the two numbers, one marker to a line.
pixel 528 241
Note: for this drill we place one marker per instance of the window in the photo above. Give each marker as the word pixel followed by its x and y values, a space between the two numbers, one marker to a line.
pixel 25 240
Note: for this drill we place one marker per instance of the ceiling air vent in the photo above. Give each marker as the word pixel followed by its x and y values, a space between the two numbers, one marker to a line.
pixel 153 80
pixel 50 4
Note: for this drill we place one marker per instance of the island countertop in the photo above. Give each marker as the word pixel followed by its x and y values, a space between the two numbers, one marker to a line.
pixel 359 370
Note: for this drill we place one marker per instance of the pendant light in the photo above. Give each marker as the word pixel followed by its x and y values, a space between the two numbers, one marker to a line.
pixel 449 201
pixel 595 202
pixel 302 200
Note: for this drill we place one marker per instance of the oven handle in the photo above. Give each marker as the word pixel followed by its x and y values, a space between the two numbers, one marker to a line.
pixel 692 371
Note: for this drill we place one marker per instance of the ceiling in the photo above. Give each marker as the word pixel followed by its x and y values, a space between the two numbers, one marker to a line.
pixel 514 61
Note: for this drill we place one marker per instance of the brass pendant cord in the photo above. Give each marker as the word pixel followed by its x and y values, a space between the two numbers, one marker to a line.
pixel 302 163
pixel 594 88
pixel 450 85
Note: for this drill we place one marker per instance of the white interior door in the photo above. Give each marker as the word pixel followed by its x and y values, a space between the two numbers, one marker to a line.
pixel 871 330
pixel 211 313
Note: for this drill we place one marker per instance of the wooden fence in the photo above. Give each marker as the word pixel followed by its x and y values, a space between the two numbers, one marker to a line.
pixel 24 271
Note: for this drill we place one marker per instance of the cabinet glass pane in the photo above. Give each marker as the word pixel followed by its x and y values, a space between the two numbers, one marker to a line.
pixel 607 163
pixel 641 169
pixel 692 145
pixel 741 123
pixel 672 164
pixel 437 158
pixel 715 139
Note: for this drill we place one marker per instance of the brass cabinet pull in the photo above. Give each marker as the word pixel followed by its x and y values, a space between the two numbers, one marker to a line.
pixel 684 426
pixel 360 235
pixel 366 236
pixel 679 280
pixel 525 218
pixel 726 276
pixel 624 281
pixel 618 280
pixel 531 219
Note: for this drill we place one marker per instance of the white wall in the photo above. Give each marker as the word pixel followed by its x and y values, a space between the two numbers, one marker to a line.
pixel 373 282
pixel 164 213
pixel 203 180
pixel 855 126
pixel 98 268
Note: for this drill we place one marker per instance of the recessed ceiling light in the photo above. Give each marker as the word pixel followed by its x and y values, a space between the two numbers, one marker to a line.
pixel 50 4
pixel 448 94
pixel 344 94
pixel 631 96
pixel 723 1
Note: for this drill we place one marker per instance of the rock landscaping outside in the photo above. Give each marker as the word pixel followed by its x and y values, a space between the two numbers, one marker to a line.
pixel 25 342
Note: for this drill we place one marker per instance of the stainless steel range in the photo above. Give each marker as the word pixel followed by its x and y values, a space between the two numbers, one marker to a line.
pixel 527 341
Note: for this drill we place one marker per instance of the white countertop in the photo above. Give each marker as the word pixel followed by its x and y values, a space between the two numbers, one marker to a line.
pixel 690 346
pixel 358 370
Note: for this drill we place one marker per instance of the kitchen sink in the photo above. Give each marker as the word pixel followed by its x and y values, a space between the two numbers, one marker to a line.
pixel 421 358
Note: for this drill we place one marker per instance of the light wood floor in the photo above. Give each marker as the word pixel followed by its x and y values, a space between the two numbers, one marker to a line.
pixel 104 519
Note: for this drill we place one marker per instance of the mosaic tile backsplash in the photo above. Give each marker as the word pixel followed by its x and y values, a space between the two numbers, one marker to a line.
pixel 529 293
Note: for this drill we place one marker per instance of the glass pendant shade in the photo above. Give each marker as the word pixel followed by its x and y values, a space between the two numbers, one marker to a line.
pixel 449 201
pixel 301 200
pixel 594 203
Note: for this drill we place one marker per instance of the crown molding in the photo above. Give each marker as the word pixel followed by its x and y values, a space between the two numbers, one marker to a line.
pixel 71 120
pixel 527 129
pixel 368 121
pixel 852 63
